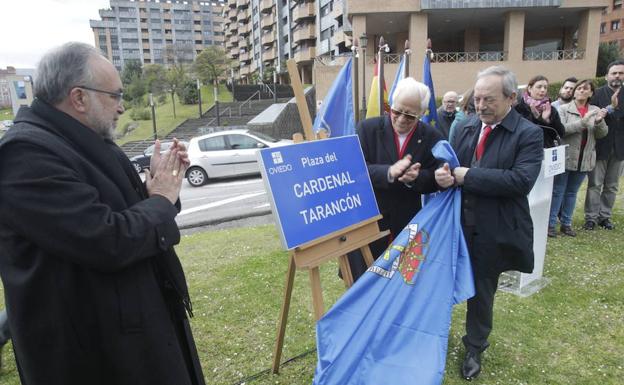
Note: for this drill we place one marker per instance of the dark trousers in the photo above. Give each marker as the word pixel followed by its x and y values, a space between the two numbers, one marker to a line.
pixel 480 314
pixel 5 334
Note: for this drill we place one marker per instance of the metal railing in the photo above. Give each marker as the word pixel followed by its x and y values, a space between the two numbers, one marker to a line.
pixel 457 57
pixel 267 88
pixel 240 108
pixel 564 54
pixel 340 59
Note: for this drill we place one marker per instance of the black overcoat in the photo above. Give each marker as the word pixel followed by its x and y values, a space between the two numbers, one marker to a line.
pixel 94 290
pixel 495 210
pixel 397 202
pixel 614 141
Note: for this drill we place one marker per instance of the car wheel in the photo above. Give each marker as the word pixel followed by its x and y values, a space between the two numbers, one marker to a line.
pixel 196 176
pixel 137 167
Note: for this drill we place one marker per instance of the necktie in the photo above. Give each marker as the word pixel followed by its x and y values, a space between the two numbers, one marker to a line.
pixel 481 145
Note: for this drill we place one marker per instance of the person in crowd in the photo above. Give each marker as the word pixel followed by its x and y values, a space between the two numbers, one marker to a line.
pixel 397 151
pixel 602 181
pixel 95 293
pixel 500 156
pixel 565 93
pixel 466 110
pixel 534 105
pixel 5 333
pixel 446 113
pixel 584 123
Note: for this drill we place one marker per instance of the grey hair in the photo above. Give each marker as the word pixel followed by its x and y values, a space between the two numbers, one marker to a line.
pixel 411 88
pixel 510 84
pixel 62 69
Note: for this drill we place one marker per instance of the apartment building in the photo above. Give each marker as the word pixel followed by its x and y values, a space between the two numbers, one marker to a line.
pixel 153 31
pixel 261 35
pixel 612 24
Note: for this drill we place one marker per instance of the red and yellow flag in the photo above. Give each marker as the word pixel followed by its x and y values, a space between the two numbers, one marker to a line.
pixel 372 107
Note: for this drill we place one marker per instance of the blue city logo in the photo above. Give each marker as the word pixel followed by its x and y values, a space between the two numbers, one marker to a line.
pixel 277 157
pixel 554 155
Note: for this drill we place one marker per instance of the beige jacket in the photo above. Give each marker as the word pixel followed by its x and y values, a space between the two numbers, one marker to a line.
pixel 574 127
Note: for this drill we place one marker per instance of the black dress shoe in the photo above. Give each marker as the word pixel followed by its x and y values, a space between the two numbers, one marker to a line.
pixel 552 232
pixel 606 224
pixel 589 225
pixel 471 367
pixel 567 230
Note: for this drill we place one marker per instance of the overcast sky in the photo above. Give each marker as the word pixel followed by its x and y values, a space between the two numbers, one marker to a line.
pixel 29 28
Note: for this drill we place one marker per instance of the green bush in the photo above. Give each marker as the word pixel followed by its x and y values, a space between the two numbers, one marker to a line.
pixel 162 99
pixel 139 113
pixel 188 94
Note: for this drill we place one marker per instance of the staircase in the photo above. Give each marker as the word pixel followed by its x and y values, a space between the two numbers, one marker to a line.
pixel 231 114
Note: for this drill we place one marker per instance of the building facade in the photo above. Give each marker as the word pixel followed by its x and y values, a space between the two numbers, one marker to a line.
pixel 16 88
pixel 612 25
pixel 261 35
pixel 152 31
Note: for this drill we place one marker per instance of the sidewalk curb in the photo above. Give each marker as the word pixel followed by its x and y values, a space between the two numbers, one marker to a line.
pixel 221 220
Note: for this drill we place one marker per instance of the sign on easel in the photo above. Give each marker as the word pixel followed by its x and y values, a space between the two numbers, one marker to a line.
pixel 316 188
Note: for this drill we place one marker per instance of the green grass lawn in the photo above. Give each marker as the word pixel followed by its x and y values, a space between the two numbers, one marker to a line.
pixel 6 114
pixel 571 332
pixel 165 122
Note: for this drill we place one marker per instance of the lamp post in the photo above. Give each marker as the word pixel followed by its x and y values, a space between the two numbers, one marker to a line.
pixel 274 85
pixel 363 43
pixel 151 102
pixel 199 95
pixel 216 99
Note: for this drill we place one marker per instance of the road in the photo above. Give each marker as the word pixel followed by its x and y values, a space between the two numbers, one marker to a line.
pixel 222 201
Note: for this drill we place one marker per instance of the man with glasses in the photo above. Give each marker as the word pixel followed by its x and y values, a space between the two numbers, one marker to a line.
pixel 95 292
pixel 500 155
pixel 446 113
pixel 397 150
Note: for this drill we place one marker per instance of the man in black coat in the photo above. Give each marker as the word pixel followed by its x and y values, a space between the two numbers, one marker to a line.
pixel 500 155
pixel 397 151
pixel 95 293
pixel 603 180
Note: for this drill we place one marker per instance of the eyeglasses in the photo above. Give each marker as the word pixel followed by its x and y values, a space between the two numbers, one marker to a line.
pixel 407 116
pixel 116 95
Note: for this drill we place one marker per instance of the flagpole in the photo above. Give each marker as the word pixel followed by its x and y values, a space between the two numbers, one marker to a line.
pixel 363 42
pixel 380 74
pixel 407 54
pixel 356 96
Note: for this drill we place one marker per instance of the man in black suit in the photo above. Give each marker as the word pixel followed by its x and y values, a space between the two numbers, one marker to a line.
pixel 397 150
pixel 500 157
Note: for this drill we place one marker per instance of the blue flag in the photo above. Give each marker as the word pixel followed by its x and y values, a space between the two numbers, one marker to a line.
pixel 431 116
pixel 398 77
pixel 336 114
pixel 392 325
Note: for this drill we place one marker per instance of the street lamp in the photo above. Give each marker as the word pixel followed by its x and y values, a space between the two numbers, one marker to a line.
pixel 199 96
pixel 151 103
pixel 363 43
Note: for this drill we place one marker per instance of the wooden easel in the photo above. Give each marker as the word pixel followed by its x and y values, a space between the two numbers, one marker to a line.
pixel 314 253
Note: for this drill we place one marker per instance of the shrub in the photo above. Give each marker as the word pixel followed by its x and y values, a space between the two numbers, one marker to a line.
pixel 188 94
pixel 139 113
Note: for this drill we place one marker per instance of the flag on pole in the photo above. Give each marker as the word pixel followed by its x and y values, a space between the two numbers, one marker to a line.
pixel 398 77
pixel 431 116
pixel 336 113
pixel 372 107
pixel 392 325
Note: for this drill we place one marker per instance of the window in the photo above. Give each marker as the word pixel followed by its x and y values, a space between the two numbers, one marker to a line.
pixel 617 4
pixel 615 25
pixel 242 142
pixel 212 144
pixel 603 27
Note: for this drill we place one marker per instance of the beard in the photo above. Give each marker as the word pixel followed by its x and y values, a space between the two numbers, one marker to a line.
pixel 566 99
pixel 98 122
pixel 615 83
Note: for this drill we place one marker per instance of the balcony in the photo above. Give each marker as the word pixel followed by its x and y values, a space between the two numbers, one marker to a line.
pixel 266 5
pixel 242 3
pixel 269 54
pixel 244 42
pixel 243 15
pixel 232 14
pixel 245 69
pixel 244 29
pixel 267 21
pixel 306 32
pixel 305 54
pixel 303 11
pixel 269 38
pixel 339 38
pixel 231 3
pixel 244 56
pixel 234 52
pixel 338 11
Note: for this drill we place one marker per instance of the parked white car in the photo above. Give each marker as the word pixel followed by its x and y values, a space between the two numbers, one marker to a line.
pixel 227 154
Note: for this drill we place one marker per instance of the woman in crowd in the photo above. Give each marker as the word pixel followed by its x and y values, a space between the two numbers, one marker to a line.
pixel 535 106
pixel 584 123
pixel 466 110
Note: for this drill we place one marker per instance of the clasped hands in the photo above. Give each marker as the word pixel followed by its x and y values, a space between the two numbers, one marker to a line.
pixel 404 171
pixel 167 171
pixel 445 178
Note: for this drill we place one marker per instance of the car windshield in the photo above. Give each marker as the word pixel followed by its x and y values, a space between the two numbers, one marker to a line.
pixel 263 136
